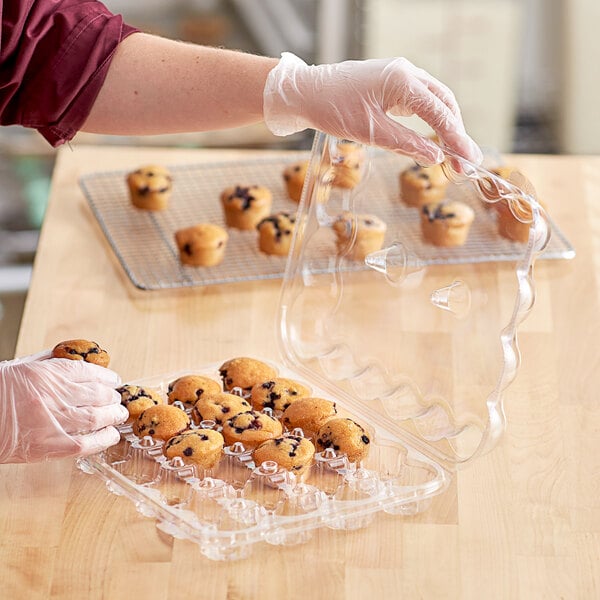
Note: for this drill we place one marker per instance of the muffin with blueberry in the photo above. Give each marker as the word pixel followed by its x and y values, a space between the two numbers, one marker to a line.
pixel 161 422
pixel 219 407
pixel 294 453
pixel 251 429
pixel 188 389
pixel 244 372
pixel 446 223
pixel 345 436
pixel 137 399
pixel 244 206
pixel 277 394
pixel 200 447
pixel 150 187
pixel 85 350
pixel 201 245
pixel 275 233
pixel 420 185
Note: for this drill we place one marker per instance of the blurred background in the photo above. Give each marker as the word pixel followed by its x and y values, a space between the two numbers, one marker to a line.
pixel 523 71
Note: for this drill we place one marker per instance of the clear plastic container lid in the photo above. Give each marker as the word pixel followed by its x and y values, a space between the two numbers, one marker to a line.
pixel 418 337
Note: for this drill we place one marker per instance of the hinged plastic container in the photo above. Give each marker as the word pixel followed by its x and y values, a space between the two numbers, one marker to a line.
pixel 413 341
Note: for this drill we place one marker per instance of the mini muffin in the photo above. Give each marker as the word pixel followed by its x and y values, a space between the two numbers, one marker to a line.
pixel 161 422
pixel 359 235
pixel 251 429
pixel 201 447
pixel 293 176
pixel 275 233
pixel 244 373
pixel 511 227
pixel 309 414
pixel 81 350
pixel 189 388
pixel 504 171
pixel 446 223
pixel 291 452
pixel 245 206
pixel 345 436
pixel 150 187
pixel 219 407
pixel 277 394
pixel 201 245
pixel 347 165
pixel 137 399
pixel 420 185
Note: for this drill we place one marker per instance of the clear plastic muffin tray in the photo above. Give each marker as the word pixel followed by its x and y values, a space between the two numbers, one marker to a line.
pixel 419 353
pixel 234 505
pixel 144 243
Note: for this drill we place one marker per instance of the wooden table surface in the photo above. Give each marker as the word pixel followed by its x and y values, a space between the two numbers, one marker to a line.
pixel 520 522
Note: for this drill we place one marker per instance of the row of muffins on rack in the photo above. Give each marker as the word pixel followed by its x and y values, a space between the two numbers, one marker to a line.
pixel 447 222
pixel 246 207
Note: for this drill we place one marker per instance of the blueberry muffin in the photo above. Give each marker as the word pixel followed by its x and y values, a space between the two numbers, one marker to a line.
pixel 347 165
pixel 420 185
pixel 275 233
pixel 137 399
pixel 245 206
pixel 161 422
pixel 202 245
pixel 150 187
pixel 189 388
pixel 309 414
pixel 251 429
pixel 291 452
pixel 358 235
pixel 81 350
pixel 511 227
pixel 345 436
pixel 277 394
pixel 201 447
pixel 244 372
pixel 294 176
pixel 219 407
pixel 446 223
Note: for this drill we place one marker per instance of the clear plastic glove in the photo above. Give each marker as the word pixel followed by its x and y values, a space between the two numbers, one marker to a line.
pixel 353 100
pixel 54 408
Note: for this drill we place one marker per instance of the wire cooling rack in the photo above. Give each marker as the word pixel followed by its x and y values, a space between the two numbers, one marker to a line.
pixel 144 243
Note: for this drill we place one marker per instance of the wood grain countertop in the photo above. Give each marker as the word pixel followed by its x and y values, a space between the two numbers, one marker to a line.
pixel 520 522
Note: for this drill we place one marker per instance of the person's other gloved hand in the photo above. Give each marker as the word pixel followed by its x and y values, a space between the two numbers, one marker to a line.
pixel 55 407
pixel 352 100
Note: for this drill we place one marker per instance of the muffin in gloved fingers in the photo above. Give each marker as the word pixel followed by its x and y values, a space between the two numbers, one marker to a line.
pixel 82 350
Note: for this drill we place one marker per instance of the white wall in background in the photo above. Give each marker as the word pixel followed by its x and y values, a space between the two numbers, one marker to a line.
pixel 580 83
pixel 471 45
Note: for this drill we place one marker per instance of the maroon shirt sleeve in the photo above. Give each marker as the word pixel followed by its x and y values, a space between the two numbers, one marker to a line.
pixel 54 56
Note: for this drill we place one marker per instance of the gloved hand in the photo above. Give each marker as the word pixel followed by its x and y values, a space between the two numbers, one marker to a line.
pixel 352 99
pixel 55 407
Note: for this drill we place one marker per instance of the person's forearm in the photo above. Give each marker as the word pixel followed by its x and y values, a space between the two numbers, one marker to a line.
pixel 155 85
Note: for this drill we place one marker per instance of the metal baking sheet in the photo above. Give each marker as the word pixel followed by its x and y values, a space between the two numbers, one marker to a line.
pixel 144 244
